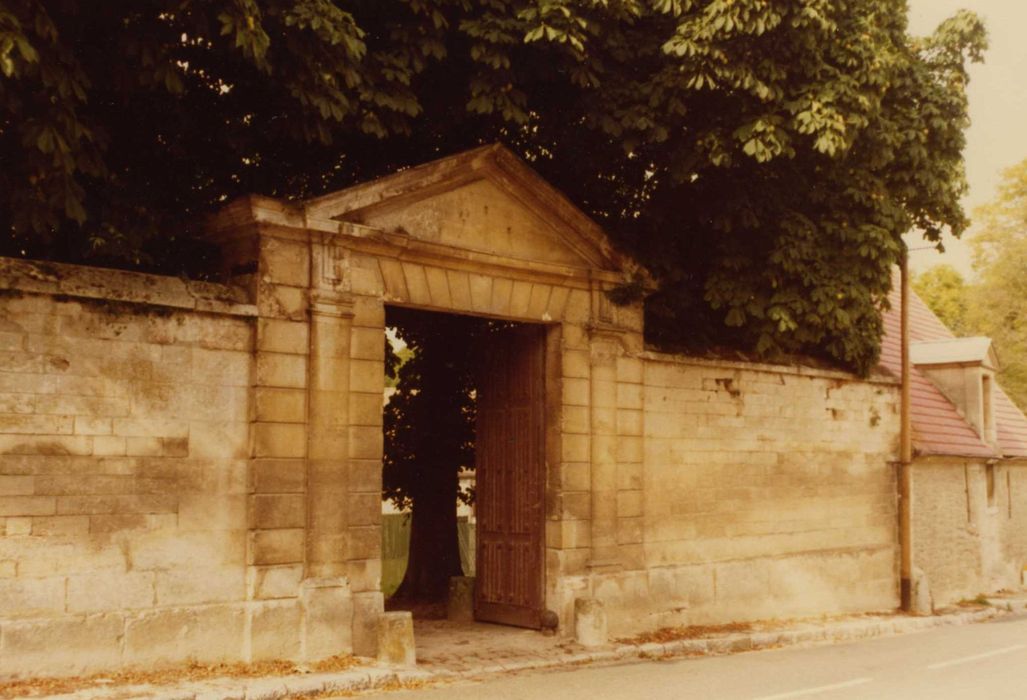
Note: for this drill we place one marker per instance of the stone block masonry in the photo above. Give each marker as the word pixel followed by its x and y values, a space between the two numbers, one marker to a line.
pixel 125 408
pixel 970 525
pixel 747 491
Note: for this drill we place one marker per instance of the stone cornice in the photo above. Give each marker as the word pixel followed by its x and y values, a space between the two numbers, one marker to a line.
pixel 120 286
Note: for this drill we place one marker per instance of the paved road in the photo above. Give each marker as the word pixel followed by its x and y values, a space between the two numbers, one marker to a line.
pixel 986 661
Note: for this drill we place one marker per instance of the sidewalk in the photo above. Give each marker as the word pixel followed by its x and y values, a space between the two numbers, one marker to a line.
pixel 463 651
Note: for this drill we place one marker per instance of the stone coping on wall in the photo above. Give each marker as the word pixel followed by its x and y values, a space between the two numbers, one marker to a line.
pixel 81 282
pixel 877 377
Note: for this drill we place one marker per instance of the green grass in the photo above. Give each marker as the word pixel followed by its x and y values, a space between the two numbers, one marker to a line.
pixel 396 544
pixel 392 574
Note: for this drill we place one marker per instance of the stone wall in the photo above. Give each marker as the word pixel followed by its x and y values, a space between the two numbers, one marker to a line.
pixel 191 470
pixel 124 443
pixel 968 526
pixel 757 492
pixel 172 468
pixel 183 474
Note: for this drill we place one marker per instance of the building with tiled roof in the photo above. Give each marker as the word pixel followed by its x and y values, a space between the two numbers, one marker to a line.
pixel 970 458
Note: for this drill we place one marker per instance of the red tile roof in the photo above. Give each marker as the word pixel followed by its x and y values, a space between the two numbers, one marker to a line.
pixel 938 428
pixel 1011 426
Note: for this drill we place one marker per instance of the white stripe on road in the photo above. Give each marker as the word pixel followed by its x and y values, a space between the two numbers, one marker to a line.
pixel 975 657
pixel 814 691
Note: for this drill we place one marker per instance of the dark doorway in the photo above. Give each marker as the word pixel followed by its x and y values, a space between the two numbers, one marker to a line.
pixel 429 423
pixel 468 397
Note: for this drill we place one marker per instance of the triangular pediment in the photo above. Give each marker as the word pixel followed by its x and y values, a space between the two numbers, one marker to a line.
pixel 486 201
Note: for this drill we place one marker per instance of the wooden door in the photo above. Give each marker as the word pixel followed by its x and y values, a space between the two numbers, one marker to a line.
pixel 510 478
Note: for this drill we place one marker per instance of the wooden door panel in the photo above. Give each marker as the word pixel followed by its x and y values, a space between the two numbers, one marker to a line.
pixel 510 478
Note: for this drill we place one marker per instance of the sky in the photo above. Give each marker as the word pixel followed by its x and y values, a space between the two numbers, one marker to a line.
pixel 997 138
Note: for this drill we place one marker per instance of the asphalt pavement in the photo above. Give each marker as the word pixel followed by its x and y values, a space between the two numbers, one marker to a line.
pixel 985 661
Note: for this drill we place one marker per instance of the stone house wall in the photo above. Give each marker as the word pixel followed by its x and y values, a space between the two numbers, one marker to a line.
pixel 124 411
pixel 967 541
pixel 1011 479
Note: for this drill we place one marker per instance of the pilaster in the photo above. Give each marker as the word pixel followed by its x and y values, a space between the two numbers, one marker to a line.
pixel 331 321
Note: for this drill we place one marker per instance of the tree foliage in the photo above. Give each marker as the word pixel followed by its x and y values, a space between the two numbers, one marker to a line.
pixel 762 158
pixel 997 303
pixel 994 302
pixel 944 290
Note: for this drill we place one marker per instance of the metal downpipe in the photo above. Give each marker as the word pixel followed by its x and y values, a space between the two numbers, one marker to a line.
pixel 905 451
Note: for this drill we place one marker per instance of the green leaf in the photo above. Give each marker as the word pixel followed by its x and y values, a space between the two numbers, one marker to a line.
pixel 735 317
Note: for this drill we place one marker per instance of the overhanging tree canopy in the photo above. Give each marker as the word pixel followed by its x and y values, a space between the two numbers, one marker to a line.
pixel 762 158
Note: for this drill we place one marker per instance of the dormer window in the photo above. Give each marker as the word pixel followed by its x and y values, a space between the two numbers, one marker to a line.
pixel 964 370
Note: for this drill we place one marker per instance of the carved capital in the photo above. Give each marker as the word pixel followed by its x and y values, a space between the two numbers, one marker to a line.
pixel 331 264
pixel 331 303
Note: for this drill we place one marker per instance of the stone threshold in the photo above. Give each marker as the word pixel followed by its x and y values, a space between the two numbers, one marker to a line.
pixel 369 678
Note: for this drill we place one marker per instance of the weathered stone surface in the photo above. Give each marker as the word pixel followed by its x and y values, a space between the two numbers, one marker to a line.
pixel 280 440
pixel 279 405
pixel 32 597
pixel 275 369
pixel 174 635
pixel 64 646
pixel 60 526
pixel 923 603
pixel 367 607
pixel 272 511
pixel 277 476
pixel 590 628
pixel 274 629
pixel 460 602
pixel 102 592
pixel 327 606
pixel 277 546
pixel 968 542
pixel 396 639
pixel 275 335
pixel 276 581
